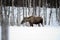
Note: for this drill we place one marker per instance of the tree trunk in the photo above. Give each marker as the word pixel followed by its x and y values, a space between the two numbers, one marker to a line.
pixel 26 7
pixel 44 11
pixel 39 7
pixel 0 11
pixel 13 19
pixel 23 8
pixel 56 11
pixel 50 13
pixel 59 13
pixel 29 7
pixel 4 22
pixel 34 8
pixel 18 17
pixel 50 16
pixel 4 25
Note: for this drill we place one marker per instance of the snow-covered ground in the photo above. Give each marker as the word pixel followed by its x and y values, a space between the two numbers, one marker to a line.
pixel 34 33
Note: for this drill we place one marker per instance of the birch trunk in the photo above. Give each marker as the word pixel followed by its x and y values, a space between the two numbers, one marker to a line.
pixel 29 7
pixel 50 13
pixel 18 16
pixel 13 19
pixel 59 13
pixel 44 12
pixel 39 7
pixel 23 8
pixel 4 23
pixel 34 8
pixel 56 11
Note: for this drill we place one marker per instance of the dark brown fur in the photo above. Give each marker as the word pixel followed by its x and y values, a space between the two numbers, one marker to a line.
pixel 33 20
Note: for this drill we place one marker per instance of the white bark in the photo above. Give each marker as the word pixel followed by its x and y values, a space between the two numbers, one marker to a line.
pixel 23 8
pixel 29 7
pixel 59 13
pixel 4 24
pixel 39 7
pixel 18 16
pixel 13 19
pixel 56 11
pixel 26 7
pixel 44 12
pixel 50 14
pixel 34 8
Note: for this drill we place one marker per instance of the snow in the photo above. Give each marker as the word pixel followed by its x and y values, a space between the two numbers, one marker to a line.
pixel 34 33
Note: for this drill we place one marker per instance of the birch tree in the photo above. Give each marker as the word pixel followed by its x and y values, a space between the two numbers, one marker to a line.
pixel 39 7
pixel 18 16
pixel 46 6
pixel 9 11
pixel 34 8
pixel 23 8
pixel 50 13
pixel 12 19
pixel 59 13
pixel 0 11
pixel 44 11
pixel 4 21
pixel 56 11
pixel 29 6
pixel 26 7
pixel 50 16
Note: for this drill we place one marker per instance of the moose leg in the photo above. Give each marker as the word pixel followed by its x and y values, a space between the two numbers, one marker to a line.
pixel 39 25
pixel 31 24
pixel 42 24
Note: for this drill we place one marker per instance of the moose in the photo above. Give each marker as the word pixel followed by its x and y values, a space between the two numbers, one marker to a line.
pixel 33 20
